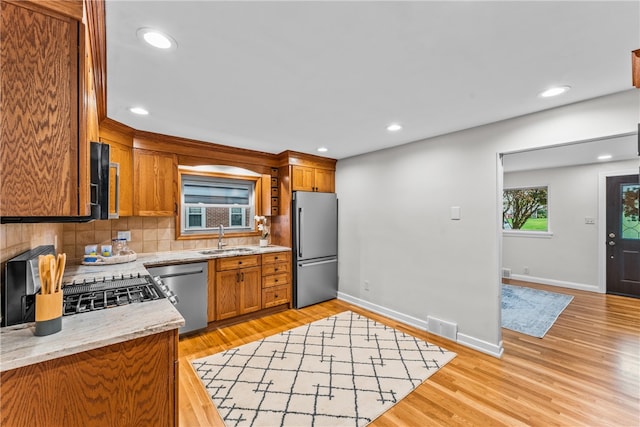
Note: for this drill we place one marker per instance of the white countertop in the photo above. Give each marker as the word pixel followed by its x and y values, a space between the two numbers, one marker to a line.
pixel 86 331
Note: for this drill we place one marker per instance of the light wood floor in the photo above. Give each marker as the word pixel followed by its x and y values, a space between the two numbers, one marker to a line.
pixel 584 372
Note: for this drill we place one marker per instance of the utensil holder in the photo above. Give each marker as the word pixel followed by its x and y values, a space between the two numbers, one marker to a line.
pixel 48 313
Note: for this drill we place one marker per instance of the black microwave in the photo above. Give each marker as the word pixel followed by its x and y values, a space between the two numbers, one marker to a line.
pixel 99 190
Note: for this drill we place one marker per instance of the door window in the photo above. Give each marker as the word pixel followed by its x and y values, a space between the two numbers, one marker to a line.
pixel 630 223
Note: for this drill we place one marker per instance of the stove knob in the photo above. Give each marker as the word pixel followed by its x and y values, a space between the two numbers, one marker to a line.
pixel 174 299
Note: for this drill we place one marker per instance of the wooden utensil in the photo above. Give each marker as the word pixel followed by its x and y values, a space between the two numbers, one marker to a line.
pixel 43 265
pixel 52 274
pixel 62 262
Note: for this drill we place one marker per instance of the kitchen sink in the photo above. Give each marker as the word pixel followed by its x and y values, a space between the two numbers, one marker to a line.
pixel 229 251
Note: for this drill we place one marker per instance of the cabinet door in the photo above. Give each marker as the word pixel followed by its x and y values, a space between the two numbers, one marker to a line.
pixel 227 294
pixel 324 181
pixel 131 383
pixel 123 156
pixel 39 121
pixel 155 183
pixel 302 178
pixel 251 294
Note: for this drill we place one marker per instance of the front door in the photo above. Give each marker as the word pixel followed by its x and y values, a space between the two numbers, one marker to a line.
pixel 623 236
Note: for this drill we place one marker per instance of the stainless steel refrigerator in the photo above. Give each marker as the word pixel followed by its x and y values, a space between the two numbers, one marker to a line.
pixel 315 247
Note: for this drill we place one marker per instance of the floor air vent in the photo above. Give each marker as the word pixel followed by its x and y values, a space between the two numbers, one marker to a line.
pixel 442 328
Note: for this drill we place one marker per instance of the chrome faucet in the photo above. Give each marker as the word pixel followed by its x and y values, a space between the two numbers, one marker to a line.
pixel 220 235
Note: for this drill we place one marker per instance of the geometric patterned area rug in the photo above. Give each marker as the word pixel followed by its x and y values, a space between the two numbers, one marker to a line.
pixel 531 311
pixel 342 370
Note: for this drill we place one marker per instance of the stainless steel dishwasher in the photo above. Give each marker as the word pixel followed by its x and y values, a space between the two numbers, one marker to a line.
pixel 189 283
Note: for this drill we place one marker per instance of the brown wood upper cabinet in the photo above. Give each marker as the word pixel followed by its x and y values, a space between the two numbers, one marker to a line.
pixel 44 143
pixel 154 183
pixel 121 195
pixel 306 178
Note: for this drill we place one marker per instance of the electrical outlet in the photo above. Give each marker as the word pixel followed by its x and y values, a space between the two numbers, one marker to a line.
pixel 124 235
pixel 526 270
pixel 366 285
pixel 589 220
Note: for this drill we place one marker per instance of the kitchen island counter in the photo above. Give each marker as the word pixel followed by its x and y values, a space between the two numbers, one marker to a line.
pixel 95 329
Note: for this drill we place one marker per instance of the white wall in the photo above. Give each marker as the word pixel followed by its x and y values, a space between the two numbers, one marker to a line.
pixel 570 256
pixel 394 221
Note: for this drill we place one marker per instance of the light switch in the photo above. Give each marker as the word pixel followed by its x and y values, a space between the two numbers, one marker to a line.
pixel 455 212
pixel 589 220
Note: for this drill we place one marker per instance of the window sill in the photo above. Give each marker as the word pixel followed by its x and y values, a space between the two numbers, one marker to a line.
pixel 534 234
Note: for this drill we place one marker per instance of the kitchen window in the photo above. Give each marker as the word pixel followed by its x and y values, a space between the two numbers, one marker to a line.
pixel 209 200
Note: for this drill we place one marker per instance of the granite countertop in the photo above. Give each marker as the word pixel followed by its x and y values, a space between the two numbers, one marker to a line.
pixel 98 271
pixel 87 331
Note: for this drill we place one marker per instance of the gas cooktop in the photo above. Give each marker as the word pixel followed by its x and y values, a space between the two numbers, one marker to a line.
pixel 80 297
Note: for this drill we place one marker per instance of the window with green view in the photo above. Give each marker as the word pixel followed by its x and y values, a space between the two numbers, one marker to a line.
pixel 525 209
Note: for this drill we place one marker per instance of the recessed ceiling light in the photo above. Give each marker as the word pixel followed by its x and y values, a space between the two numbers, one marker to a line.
pixel 139 110
pixel 322 149
pixel 605 157
pixel 394 127
pixel 156 38
pixel 554 91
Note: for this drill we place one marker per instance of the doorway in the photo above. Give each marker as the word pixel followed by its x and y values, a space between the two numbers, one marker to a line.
pixel 623 235
pixel 573 254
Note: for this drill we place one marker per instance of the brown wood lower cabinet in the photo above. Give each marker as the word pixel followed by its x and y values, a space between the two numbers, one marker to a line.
pixel 133 383
pixel 246 284
pixel 276 279
pixel 237 286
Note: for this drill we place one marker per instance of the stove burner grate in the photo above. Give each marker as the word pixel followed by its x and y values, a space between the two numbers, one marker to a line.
pixel 98 295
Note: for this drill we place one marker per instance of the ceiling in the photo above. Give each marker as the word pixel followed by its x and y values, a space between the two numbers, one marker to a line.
pixel 278 75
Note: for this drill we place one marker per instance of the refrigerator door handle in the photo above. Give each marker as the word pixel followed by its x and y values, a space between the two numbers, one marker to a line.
pixel 310 264
pixel 299 232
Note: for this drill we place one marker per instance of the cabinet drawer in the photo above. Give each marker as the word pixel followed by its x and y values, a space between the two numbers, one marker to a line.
pixel 237 262
pixel 280 267
pixel 276 257
pixel 275 280
pixel 275 295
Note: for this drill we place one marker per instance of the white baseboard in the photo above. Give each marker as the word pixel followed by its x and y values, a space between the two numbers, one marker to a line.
pixel 483 346
pixel 387 312
pixel 553 282
pixel 466 340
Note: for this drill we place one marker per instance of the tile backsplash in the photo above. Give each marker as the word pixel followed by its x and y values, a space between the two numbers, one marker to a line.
pixel 148 234
pixel 18 238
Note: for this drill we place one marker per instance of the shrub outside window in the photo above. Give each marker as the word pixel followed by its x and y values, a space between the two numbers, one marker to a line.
pixel 525 209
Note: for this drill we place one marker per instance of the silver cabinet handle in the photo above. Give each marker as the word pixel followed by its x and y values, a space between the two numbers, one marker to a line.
pixel 311 264
pixel 299 232
pixel 116 214
pixel 612 243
